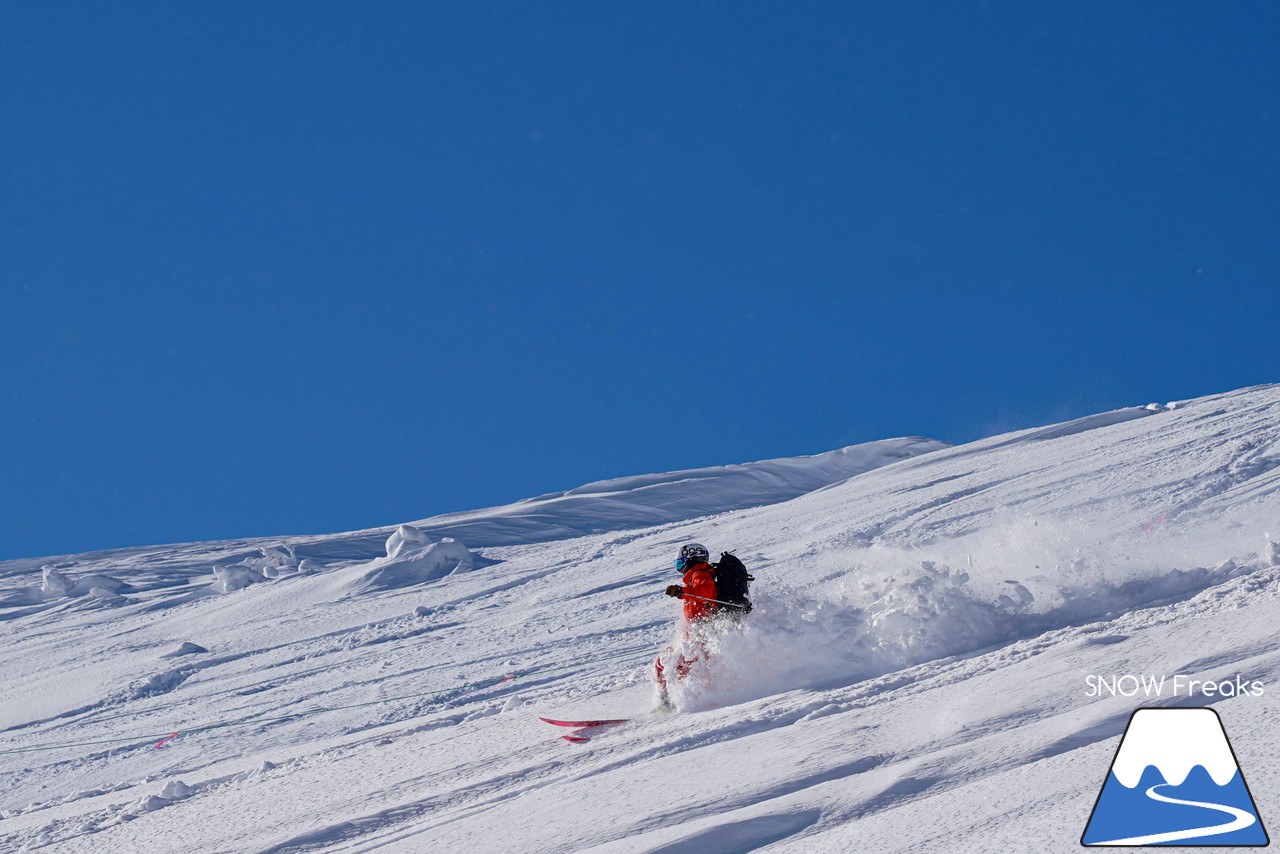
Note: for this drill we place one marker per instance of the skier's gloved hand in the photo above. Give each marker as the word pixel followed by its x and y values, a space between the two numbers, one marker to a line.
pixel 675 590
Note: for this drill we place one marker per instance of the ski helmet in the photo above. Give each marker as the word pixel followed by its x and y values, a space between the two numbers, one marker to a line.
pixel 694 553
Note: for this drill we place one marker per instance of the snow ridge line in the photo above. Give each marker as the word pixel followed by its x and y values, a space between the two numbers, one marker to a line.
pixel 169 736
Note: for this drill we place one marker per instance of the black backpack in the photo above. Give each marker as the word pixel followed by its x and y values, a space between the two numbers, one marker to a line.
pixel 731 583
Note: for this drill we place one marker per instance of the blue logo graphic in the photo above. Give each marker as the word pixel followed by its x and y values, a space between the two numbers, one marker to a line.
pixel 1175 781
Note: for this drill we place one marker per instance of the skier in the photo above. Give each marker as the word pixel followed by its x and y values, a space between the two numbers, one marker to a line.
pixel 698 584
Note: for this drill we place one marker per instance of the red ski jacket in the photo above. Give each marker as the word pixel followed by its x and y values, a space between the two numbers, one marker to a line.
pixel 699 581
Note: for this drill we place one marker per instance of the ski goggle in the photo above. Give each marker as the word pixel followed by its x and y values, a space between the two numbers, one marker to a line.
pixel 680 563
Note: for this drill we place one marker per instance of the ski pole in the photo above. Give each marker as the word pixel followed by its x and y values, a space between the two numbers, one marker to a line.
pixel 717 601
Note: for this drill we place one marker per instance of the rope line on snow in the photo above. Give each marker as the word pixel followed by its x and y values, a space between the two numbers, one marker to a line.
pixel 170 736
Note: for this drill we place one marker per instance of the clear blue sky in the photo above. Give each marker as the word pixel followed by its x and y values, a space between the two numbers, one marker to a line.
pixel 287 268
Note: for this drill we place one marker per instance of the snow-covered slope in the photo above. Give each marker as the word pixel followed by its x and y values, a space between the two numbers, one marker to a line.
pixel 609 505
pixel 635 502
pixel 912 679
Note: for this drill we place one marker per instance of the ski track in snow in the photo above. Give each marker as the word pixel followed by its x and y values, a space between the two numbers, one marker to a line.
pixel 912 678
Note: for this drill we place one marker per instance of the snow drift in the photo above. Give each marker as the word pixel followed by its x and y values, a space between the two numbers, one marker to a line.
pixel 412 558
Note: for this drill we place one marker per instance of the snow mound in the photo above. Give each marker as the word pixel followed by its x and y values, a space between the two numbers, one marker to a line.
pixel 86 584
pixel 406 538
pixel 231 578
pixel 271 562
pixel 154 685
pixel 55 585
pixel 413 558
pixel 187 648
pixel 176 790
pixel 274 561
pixel 151 803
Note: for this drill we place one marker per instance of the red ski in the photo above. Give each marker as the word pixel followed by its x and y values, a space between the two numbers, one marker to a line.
pixel 579 726
pixel 583 724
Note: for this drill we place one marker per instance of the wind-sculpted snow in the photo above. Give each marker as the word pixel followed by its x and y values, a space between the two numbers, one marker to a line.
pixel 604 506
pixel 231 578
pixel 912 678
pixel 412 558
pixel 639 502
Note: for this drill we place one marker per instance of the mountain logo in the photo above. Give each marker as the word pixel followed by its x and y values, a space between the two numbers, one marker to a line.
pixel 1175 781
